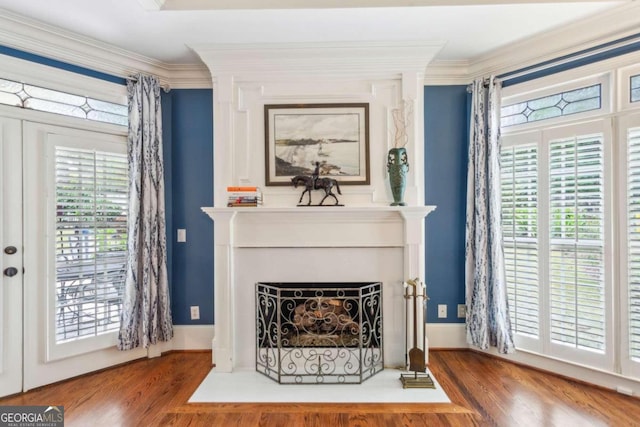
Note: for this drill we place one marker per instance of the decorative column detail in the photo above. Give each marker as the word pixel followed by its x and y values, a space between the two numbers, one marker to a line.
pixel 222 345
pixel 414 267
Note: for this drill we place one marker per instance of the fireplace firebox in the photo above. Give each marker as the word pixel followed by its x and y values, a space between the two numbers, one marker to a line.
pixel 315 333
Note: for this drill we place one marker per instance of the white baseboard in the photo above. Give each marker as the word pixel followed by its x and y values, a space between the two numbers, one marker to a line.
pixel 453 335
pixel 446 335
pixel 192 337
pixel 585 374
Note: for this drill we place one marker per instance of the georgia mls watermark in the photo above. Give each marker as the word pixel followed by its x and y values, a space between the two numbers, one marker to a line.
pixel 31 416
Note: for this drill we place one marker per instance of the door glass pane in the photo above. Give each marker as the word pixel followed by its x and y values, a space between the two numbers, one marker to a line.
pixel 91 241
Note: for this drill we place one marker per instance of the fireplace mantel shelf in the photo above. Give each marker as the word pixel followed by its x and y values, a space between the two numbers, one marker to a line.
pixel 364 211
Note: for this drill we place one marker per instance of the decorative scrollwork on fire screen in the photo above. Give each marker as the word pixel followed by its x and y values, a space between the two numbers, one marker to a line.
pixel 319 333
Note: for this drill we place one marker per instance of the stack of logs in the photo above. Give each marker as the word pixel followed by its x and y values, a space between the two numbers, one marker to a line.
pixel 323 321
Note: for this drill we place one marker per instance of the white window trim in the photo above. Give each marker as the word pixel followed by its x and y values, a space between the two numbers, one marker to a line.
pixel 56 351
pixel 624 88
pixel 32 73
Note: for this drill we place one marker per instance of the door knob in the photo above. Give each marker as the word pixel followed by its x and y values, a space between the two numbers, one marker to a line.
pixel 10 271
pixel 10 250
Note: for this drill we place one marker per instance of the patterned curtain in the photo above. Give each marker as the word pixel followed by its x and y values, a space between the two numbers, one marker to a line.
pixel 486 289
pixel 146 311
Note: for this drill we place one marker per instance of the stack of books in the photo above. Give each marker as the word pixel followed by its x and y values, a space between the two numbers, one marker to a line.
pixel 243 197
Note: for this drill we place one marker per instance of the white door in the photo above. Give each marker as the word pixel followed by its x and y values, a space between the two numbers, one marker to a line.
pixel 11 256
pixel 72 261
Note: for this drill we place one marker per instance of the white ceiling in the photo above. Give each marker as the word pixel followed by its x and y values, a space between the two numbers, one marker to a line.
pixel 162 30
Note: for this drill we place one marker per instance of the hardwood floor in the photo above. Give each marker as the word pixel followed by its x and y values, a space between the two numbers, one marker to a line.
pixel 484 392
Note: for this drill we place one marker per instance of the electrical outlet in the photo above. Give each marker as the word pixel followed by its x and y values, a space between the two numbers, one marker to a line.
pixel 442 311
pixel 462 310
pixel 195 312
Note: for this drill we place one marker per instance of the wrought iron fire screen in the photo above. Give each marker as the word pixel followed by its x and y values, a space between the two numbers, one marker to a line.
pixel 313 333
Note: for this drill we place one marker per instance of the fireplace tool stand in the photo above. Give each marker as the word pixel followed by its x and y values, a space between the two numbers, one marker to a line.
pixel 420 378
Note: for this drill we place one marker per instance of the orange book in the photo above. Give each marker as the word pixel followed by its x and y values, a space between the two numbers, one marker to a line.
pixel 236 189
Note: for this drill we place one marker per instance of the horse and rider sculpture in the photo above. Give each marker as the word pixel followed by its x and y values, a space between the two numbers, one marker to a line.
pixel 315 182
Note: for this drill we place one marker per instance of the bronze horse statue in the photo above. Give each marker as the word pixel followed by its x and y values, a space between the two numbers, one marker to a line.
pixel 315 182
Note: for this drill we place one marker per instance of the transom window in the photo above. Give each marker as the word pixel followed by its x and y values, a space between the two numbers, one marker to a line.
pixel 556 105
pixel 52 101
pixel 635 88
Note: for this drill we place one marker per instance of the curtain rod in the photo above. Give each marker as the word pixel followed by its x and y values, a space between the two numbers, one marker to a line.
pixel 619 44
pixel 572 60
pixel 485 84
pixel 165 87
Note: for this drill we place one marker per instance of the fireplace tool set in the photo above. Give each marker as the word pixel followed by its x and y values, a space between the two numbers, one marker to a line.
pixel 420 378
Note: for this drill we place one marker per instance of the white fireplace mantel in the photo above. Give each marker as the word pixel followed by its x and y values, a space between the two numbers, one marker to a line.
pixel 325 229
pixel 366 240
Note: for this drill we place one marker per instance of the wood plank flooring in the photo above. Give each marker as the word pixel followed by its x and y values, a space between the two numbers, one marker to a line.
pixel 484 392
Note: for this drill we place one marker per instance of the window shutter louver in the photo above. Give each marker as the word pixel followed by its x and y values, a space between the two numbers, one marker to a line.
pixel 91 241
pixel 633 233
pixel 519 183
pixel 576 258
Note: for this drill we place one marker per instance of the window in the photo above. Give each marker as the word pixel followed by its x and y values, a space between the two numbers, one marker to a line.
pixel 629 131
pixel 37 98
pixel 554 238
pixel 576 242
pixel 633 245
pixel 555 105
pixel 635 88
pixel 91 241
pixel 519 176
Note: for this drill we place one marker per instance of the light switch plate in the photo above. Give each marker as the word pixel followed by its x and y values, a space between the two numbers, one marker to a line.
pixel 442 311
pixel 182 234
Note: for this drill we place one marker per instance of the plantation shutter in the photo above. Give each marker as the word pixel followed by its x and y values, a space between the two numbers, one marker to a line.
pixel 633 221
pixel 519 184
pixel 576 237
pixel 91 236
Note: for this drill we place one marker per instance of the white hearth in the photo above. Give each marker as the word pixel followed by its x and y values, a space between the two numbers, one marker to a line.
pixel 366 240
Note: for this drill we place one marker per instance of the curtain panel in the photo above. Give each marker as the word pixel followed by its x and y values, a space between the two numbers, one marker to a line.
pixel 146 310
pixel 487 320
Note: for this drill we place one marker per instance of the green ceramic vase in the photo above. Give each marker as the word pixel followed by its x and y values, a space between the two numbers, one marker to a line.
pixel 398 167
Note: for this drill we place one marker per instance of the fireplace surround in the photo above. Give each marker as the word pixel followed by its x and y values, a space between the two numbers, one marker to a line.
pixel 356 244
pixel 366 240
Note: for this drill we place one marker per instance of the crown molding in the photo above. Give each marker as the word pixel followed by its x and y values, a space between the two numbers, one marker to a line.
pixel 442 73
pixel 55 43
pixel 309 60
pixel 188 76
pixel 587 33
pixel 52 42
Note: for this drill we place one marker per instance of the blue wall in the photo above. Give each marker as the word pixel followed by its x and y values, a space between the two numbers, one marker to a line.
pixel 445 163
pixel 188 155
pixel 188 136
pixel 190 172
